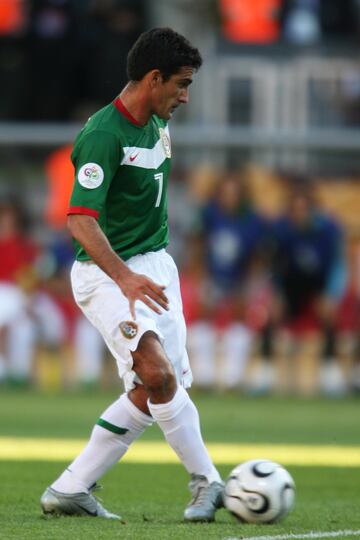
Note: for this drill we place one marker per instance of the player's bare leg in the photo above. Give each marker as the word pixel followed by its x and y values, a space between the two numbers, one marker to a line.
pixel 177 416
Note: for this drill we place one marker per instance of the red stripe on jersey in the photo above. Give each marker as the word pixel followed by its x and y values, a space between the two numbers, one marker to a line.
pixel 83 210
pixel 121 108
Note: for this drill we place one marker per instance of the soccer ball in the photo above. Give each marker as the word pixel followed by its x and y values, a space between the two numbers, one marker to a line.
pixel 259 491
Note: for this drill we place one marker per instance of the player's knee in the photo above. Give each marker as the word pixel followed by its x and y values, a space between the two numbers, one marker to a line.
pixel 154 369
pixel 161 383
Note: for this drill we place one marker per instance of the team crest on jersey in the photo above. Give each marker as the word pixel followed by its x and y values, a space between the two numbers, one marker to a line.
pixel 90 175
pixel 165 139
pixel 129 329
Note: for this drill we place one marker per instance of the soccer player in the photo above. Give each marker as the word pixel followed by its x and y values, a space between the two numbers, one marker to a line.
pixel 126 283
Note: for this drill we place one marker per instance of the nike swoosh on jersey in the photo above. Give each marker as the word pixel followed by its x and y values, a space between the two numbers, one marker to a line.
pixel 147 158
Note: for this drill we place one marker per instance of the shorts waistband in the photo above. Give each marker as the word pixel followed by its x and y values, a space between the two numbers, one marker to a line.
pixel 161 252
pixel 147 255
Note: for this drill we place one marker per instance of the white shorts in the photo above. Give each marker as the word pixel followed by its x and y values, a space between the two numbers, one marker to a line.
pixel 107 309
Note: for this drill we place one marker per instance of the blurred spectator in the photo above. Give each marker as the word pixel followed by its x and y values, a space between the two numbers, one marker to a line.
pixel 28 315
pixel 305 22
pixel 12 17
pixel 250 21
pixel 60 176
pixel 17 282
pixel 302 22
pixel 310 275
pixel 259 300
pixel 231 233
pixel 74 330
pixel 348 320
pixel 86 340
pixel 181 208
pixel 198 313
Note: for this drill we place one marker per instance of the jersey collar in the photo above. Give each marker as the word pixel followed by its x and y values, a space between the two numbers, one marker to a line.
pixel 123 110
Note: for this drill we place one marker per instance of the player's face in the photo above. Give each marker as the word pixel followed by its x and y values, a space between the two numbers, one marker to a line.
pixel 172 93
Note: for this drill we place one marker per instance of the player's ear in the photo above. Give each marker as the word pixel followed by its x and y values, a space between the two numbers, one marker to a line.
pixel 154 78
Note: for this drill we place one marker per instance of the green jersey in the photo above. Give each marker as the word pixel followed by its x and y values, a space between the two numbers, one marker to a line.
pixel 121 176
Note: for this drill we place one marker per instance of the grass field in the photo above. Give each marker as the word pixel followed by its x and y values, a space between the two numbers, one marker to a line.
pixel 151 496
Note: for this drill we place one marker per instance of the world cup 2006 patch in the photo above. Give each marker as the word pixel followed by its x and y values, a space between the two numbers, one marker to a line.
pixel 129 329
pixel 90 175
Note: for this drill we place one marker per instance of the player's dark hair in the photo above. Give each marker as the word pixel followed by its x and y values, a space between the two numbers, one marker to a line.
pixel 162 49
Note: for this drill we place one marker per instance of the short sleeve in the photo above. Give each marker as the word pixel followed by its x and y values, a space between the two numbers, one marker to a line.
pixel 96 158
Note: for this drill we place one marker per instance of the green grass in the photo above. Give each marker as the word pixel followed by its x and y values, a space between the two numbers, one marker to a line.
pixel 151 498
pixel 224 418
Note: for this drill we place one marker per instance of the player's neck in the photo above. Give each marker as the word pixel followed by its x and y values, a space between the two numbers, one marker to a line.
pixel 136 102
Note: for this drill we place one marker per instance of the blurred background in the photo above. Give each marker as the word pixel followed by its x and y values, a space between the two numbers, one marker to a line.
pixel 264 199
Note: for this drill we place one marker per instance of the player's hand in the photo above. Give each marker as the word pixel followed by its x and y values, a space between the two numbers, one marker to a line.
pixel 140 287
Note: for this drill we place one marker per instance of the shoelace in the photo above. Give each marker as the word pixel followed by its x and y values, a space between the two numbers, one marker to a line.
pixel 96 487
pixel 99 487
pixel 201 494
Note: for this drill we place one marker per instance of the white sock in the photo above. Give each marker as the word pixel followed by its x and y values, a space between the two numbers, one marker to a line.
pixel 105 446
pixel 179 421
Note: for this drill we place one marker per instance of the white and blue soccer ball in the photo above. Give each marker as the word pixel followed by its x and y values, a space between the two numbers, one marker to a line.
pixel 259 491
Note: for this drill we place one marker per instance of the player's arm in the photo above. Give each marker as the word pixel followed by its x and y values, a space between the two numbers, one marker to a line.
pixel 87 232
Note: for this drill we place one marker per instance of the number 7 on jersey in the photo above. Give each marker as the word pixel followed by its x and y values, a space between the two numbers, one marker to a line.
pixel 160 178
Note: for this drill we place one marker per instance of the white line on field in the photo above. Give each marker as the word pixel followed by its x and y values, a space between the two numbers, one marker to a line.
pixel 320 534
